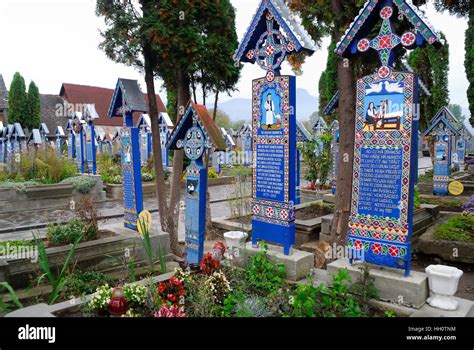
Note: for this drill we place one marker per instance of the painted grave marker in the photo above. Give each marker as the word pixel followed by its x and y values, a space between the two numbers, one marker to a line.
pixel 335 154
pixel 302 136
pixel 195 133
pixel 443 132
pixel 126 100
pixel 273 34
pixel 386 131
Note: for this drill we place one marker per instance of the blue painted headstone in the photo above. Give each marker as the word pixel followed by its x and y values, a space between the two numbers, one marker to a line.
pixel 126 100
pixel 16 144
pixel 78 126
pixel 302 136
pixel 35 139
pixel 144 129
pixel 335 154
pixel 274 34
pixel 59 133
pixel 444 133
pixel 44 132
pixel 385 149
pixel 195 133
pixel 71 140
pixel 90 114
pixel 2 142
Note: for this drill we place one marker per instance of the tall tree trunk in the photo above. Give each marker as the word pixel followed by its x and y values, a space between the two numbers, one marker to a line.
pixel 193 87
pixel 157 154
pixel 207 158
pixel 216 98
pixel 346 118
pixel 172 219
pixel 203 90
pixel 346 152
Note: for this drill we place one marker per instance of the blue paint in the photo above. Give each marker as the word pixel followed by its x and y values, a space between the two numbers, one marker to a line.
pixel 191 135
pixel 298 175
pixel 380 182
pixel 124 103
pixel 275 174
pixel 131 177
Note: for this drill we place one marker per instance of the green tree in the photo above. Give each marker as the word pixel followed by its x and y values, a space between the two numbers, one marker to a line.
pixel 457 111
pixel 165 39
pixel 222 119
pixel 17 100
pixel 469 62
pixel 328 80
pixel 32 118
pixel 463 8
pixel 432 66
pixel 333 17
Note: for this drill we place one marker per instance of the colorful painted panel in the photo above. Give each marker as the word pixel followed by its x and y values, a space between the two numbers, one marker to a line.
pixel 335 155
pixel 131 178
pixel 274 154
pixel 380 224
pixel 442 165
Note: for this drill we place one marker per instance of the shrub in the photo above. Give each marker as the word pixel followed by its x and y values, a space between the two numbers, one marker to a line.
pixel 253 306
pixel 212 174
pixel 109 168
pixel 87 213
pixel 457 228
pixel 82 184
pixel 65 234
pixel 83 283
pixel 263 273
pixel 43 166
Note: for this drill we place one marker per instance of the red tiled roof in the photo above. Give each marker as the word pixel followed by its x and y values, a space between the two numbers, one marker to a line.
pixel 100 97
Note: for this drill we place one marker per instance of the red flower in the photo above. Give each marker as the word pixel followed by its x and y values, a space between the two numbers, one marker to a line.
pixel 376 248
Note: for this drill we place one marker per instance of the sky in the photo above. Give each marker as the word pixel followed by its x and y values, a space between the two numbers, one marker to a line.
pixel 56 41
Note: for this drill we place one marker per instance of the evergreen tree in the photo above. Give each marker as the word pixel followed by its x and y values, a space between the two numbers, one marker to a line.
pixel 172 40
pixel 32 118
pixel 469 63
pixel 17 100
pixel 328 80
pixel 432 66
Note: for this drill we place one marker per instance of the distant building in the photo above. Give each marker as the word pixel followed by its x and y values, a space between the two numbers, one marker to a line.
pixel 3 100
pixel 76 96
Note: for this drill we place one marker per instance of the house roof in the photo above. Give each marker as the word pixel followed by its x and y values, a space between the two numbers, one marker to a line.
pixel 82 94
pixel 288 24
pixel 205 121
pixel 3 94
pixel 369 14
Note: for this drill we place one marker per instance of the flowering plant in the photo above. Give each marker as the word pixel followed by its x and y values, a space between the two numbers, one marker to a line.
pixel 219 286
pixel 171 291
pixel 468 207
pixel 209 264
pixel 181 275
pixel 170 311
pixel 135 293
pixel 101 298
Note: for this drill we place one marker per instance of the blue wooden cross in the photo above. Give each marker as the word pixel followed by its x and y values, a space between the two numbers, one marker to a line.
pixel 196 133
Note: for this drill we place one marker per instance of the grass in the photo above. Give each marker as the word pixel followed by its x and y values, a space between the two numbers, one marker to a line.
pixel 457 228
pixel 451 203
